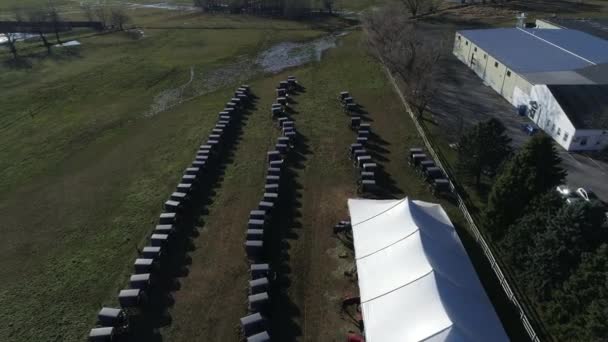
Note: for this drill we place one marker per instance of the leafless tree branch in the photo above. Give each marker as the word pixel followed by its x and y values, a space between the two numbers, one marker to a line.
pixel 398 43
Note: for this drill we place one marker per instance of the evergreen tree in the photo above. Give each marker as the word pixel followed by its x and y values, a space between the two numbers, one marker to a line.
pixel 579 310
pixel 534 170
pixel 575 229
pixel 483 147
pixel 517 244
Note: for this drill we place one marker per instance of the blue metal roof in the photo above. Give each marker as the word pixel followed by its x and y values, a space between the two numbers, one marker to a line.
pixel 540 50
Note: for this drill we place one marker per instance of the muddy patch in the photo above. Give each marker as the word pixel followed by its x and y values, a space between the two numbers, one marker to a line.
pixel 273 60
pixel 288 54
pixel 201 83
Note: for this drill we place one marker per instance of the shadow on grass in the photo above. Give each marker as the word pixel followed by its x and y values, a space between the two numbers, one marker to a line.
pixel 176 261
pixel 32 55
pixel 377 148
pixel 284 228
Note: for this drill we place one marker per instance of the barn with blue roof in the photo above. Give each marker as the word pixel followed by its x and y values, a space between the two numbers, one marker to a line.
pixel 543 72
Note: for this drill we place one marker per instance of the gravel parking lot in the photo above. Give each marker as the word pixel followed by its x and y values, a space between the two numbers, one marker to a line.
pixel 464 100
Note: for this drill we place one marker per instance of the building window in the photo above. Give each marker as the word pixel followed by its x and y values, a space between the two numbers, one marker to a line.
pixel 475 49
pixel 565 136
pixel 496 64
pixel 559 131
pixel 485 56
pixel 584 141
pixel 508 73
pixel 553 128
pixel 459 37
pixel 466 42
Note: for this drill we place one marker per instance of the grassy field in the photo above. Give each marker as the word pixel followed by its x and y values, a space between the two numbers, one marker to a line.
pixel 324 180
pixel 307 307
pixel 86 162
pixel 84 169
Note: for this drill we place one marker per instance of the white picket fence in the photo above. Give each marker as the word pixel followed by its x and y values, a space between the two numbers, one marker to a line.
pixel 465 211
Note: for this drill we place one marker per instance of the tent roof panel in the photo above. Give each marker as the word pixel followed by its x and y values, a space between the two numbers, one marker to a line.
pixel 411 313
pixel 417 286
pixel 388 215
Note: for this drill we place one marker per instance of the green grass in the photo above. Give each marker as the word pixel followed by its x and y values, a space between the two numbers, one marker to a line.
pixel 214 292
pixel 325 179
pixel 84 172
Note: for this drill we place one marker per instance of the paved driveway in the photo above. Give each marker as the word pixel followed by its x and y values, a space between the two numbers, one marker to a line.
pixel 464 100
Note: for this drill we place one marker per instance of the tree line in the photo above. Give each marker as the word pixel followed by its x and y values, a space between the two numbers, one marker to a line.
pixel 39 18
pixel 398 42
pixel 287 8
pixel 557 250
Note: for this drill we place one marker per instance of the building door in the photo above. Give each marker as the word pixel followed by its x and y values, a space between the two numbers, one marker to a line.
pixel 476 65
pixel 508 85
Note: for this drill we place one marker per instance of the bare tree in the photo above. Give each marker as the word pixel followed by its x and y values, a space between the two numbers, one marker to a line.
pixel 10 40
pixel 295 8
pixel 413 59
pixel 417 7
pixel 208 5
pixel 38 15
pixel 55 18
pixel 88 11
pixel 102 14
pixel 11 37
pixel 119 17
pixel 329 5
pixel 203 5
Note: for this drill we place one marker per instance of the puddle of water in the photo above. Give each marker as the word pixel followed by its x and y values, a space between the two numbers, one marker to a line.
pixel 277 58
pixel 18 37
pixel 201 84
pixel 70 43
pixel 163 5
pixel 288 54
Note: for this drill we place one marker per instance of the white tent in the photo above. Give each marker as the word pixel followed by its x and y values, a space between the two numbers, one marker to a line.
pixel 415 279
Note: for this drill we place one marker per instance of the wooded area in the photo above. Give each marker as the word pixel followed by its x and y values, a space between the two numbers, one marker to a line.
pixel 287 8
pixel 556 250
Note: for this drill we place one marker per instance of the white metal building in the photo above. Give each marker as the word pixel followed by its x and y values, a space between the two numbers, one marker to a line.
pixel 594 26
pixel 558 75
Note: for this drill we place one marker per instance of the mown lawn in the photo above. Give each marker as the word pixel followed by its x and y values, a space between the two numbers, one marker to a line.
pixel 212 297
pixel 323 179
pixel 84 170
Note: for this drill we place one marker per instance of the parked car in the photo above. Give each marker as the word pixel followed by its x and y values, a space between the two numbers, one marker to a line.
pixel 563 190
pixel 570 196
pixel 586 194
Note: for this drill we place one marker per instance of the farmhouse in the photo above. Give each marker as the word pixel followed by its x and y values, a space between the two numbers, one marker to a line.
pixel 557 77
